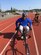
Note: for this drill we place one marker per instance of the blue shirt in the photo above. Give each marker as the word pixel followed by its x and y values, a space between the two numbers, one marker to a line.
pixel 24 22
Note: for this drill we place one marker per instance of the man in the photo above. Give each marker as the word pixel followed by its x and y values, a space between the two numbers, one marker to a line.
pixel 24 22
pixel 36 19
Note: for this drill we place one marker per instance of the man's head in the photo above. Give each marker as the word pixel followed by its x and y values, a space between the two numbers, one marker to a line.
pixel 37 15
pixel 24 16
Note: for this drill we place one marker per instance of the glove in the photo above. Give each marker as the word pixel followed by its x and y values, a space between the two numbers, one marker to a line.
pixel 17 28
pixel 30 28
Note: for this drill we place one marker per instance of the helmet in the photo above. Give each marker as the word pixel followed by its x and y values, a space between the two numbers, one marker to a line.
pixel 23 14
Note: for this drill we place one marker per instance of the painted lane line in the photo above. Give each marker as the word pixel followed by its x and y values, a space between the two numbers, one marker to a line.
pixel 7 44
pixel 3 23
pixel 7 22
pixel 8 41
pixel 7 27
pixel 36 46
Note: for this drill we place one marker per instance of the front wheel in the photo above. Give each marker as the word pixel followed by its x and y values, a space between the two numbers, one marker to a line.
pixel 27 49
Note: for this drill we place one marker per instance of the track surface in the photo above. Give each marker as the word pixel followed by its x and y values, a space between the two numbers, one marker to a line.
pixel 7 28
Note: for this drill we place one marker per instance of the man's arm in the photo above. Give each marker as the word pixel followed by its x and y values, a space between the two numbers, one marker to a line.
pixel 17 24
pixel 30 22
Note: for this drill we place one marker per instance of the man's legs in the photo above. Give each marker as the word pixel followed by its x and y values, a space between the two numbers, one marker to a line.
pixel 27 29
pixel 21 28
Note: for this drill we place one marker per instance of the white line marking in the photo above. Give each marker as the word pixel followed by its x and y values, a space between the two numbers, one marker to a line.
pixel 8 41
pixel 7 45
pixel 36 46
pixel 3 23
pixel 7 27
pixel 7 22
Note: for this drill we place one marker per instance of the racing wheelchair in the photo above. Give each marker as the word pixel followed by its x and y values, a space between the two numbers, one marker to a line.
pixel 24 37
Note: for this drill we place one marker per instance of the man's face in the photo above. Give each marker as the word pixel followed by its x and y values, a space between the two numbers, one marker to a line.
pixel 24 17
pixel 37 16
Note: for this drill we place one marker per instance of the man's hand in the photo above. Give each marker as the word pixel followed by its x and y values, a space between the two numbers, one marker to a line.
pixel 30 28
pixel 17 28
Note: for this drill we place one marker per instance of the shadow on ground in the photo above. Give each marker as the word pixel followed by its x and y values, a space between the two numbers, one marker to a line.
pixel 14 52
pixel 10 35
pixel 7 35
pixel 12 43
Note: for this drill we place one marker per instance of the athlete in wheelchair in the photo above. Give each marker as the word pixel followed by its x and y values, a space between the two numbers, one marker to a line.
pixel 24 25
